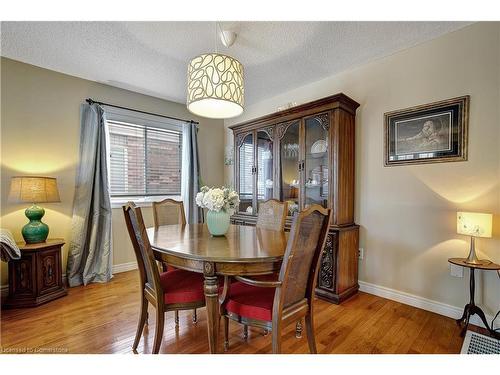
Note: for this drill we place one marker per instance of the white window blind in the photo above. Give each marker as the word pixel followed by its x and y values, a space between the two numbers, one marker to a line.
pixel 144 160
pixel 246 175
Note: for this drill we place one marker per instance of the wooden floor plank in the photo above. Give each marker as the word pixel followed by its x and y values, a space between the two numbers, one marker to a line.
pixel 102 318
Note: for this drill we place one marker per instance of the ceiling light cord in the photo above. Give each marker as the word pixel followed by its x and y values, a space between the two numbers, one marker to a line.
pixel 216 49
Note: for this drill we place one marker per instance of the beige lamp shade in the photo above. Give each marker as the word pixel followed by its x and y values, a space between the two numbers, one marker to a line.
pixel 33 189
pixel 474 224
pixel 215 86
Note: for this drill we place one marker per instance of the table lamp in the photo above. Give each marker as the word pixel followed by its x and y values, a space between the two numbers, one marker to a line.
pixel 474 224
pixel 34 189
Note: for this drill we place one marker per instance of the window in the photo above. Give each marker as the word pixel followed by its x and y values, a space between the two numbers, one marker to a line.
pixel 144 160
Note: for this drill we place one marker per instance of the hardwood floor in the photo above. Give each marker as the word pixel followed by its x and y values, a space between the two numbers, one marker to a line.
pixel 102 318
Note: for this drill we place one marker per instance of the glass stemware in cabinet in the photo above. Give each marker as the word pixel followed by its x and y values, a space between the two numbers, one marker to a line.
pixel 289 173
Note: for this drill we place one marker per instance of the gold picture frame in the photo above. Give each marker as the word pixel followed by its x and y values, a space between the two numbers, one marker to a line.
pixel 429 133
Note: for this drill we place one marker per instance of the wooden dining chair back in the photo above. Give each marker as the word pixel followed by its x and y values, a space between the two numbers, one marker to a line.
pixel 272 215
pixel 274 304
pixel 146 262
pixel 306 242
pixel 168 211
pixel 168 291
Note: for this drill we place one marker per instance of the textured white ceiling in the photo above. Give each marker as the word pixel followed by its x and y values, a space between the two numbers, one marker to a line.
pixel 152 57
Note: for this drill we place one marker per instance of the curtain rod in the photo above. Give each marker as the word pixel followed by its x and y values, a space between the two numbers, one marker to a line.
pixel 92 101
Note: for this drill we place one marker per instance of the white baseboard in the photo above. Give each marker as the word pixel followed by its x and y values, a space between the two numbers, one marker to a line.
pixel 124 267
pixel 420 302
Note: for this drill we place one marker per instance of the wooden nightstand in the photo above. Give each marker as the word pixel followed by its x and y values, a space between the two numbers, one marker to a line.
pixel 36 278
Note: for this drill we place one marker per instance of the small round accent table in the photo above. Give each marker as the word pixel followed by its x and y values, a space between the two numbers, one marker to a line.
pixel 471 308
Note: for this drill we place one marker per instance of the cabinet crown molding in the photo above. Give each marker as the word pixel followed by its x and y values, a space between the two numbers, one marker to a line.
pixel 324 104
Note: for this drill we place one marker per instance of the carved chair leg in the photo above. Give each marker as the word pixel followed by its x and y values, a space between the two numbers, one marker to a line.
pixel 245 332
pixel 160 321
pixel 140 326
pixel 298 329
pixel 311 339
pixel 147 315
pixel 195 316
pixel 225 320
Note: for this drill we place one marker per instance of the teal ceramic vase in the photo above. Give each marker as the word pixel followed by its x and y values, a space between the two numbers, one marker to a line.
pixel 35 231
pixel 218 222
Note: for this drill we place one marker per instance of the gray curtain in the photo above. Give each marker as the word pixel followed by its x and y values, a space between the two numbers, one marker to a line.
pixel 190 181
pixel 90 254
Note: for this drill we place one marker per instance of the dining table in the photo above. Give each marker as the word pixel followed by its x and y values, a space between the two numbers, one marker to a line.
pixel 242 251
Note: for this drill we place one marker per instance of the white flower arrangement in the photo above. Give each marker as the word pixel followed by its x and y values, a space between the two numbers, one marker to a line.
pixel 216 199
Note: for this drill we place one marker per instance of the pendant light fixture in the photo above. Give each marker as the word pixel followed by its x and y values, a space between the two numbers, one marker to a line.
pixel 215 83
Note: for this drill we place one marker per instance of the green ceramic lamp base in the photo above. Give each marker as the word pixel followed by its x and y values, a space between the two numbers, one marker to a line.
pixel 35 231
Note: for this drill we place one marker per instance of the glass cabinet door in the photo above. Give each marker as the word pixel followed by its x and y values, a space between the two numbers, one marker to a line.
pixel 315 168
pixel 246 174
pixel 289 183
pixel 265 176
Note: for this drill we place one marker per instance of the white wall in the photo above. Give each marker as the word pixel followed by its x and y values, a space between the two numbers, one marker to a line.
pixel 408 213
pixel 40 130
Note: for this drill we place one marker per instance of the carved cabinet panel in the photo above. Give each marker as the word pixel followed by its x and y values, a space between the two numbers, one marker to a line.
pixel 22 280
pixel 338 272
pixel 326 275
pixel 36 278
pixel 49 271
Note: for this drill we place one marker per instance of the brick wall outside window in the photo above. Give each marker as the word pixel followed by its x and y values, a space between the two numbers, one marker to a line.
pixel 144 160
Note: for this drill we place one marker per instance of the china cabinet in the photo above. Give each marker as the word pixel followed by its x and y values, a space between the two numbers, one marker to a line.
pixel 305 155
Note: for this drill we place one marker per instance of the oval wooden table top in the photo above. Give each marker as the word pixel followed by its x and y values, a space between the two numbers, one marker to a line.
pixel 241 244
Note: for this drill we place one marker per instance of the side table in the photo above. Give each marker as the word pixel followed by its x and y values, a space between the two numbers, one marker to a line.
pixel 36 278
pixel 471 308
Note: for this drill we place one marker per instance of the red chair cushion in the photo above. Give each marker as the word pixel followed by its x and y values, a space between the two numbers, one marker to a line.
pixel 250 301
pixel 181 286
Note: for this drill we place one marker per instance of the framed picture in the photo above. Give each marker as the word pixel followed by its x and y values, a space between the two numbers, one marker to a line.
pixel 430 133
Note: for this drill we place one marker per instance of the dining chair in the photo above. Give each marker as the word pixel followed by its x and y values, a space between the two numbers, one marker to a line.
pixel 275 303
pixel 167 291
pixel 272 215
pixel 170 212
